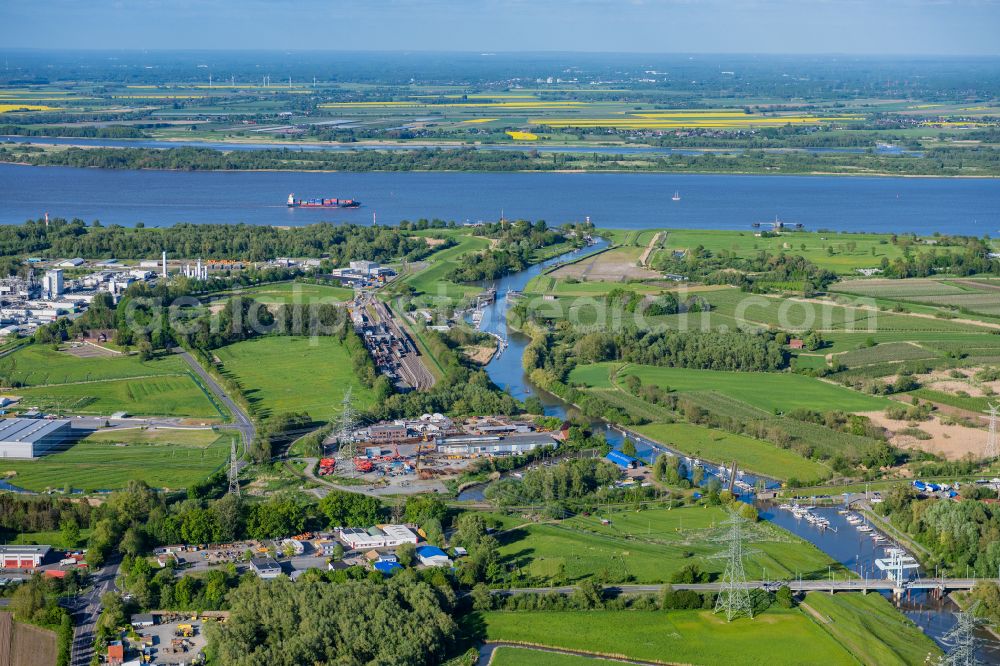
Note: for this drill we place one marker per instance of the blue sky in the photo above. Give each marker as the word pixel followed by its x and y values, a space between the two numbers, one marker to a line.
pixel 954 27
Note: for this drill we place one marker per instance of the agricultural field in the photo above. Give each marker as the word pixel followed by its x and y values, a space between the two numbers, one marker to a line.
pixel 296 293
pixel 648 546
pixel 722 447
pixel 61 381
pixel 767 391
pixel 972 296
pixel 294 374
pixel 887 352
pixel 109 459
pixel 675 637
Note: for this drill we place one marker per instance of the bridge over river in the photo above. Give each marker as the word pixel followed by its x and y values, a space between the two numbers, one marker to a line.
pixel 848 585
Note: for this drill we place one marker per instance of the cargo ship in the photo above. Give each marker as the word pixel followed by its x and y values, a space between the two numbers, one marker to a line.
pixel 322 203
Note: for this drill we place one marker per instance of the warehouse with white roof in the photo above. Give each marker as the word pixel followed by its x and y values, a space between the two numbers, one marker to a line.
pixel 30 438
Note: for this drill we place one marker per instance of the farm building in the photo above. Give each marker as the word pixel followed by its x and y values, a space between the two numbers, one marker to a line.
pixel 432 556
pixel 30 438
pixel 622 460
pixel 265 567
pixel 23 557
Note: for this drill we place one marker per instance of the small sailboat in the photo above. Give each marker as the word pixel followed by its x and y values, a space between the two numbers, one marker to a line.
pixel 676 197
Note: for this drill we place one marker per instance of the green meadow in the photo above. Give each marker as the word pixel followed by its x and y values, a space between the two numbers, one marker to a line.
pixel 722 447
pixel 61 382
pixel 675 637
pixel 769 391
pixel 109 459
pixel 294 374
pixel 648 547
pixel 431 280
pixel 298 292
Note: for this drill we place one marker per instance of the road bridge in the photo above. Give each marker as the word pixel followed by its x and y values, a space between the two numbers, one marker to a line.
pixel 846 585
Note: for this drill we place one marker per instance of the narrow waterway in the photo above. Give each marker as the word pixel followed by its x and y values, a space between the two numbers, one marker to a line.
pixel 841 541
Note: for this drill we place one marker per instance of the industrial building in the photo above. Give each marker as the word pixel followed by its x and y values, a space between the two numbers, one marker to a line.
pixel 494 445
pixel 30 438
pixel 432 556
pixel 53 285
pixel 23 557
pixel 380 536
pixel 622 460
pixel 265 567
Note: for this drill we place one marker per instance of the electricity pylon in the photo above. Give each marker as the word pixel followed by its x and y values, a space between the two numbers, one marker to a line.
pixel 991 451
pixel 345 436
pixel 734 596
pixel 234 470
pixel 962 640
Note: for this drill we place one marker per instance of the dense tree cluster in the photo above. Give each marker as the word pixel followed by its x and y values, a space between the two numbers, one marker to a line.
pixel 959 534
pixel 750 273
pixel 938 161
pixel 571 479
pixel 85 131
pixel 514 247
pixel 287 624
pixel 247 242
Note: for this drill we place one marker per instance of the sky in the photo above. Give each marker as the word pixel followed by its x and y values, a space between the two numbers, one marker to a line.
pixel 906 27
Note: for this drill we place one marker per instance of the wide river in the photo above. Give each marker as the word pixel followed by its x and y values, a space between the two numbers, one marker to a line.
pixel 617 200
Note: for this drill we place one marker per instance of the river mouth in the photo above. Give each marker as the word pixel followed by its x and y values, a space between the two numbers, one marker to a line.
pixel 841 541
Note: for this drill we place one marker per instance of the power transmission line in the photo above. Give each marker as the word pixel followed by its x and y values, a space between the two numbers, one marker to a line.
pixel 345 436
pixel 734 596
pixel 234 470
pixel 962 640
pixel 991 451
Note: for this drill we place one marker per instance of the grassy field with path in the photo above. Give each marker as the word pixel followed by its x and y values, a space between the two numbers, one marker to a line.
pixel 109 459
pixel 872 629
pixel 294 374
pixel 298 292
pixel 676 637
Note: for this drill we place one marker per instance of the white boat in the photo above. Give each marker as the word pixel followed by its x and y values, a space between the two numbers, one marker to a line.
pixel 676 197
pixel 864 528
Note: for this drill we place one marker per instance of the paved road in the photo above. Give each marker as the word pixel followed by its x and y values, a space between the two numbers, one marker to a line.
pixel 242 420
pixel 85 609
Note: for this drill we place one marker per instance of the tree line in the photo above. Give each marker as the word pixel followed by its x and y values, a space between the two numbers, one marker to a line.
pixel 339 243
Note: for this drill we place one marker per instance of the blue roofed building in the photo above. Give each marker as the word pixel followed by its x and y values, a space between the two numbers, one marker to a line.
pixel 622 460
pixel 432 556
pixel 386 567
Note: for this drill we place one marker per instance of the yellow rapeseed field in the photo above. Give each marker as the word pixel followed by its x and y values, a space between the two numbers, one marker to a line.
pixel 480 120
pixel 523 136
pixel 449 105
pixel 8 108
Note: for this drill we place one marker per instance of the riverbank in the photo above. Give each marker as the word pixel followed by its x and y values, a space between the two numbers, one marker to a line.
pixel 471 159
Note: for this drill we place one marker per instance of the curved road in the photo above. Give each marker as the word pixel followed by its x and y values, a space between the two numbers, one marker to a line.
pixel 243 423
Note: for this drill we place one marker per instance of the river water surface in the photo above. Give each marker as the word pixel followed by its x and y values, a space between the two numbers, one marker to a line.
pixel 615 200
